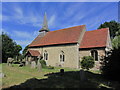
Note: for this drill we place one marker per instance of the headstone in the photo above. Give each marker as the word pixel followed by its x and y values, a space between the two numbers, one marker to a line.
pixel 61 71
pixel 82 75
pixel 39 66
pixel 2 75
pixel 9 61
pixel 22 64
pixel 26 63
pixel 33 64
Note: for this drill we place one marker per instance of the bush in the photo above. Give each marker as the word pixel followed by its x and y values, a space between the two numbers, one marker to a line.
pixel 50 67
pixel 43 63
pixel 87 62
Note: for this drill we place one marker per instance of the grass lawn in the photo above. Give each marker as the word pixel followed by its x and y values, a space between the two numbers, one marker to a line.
pixel 50 78
pixel 16 75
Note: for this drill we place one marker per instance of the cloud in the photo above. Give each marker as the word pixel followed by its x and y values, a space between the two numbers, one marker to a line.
pixel 21 34
pixel 23 38
pixel 22 16
pixel 51 21
pixel 5 31
pixel 0 17
pixel 1 31
pixel 23 42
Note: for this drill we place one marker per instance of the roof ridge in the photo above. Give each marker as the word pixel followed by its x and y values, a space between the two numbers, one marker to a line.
pixel 97 29
pixel 67 28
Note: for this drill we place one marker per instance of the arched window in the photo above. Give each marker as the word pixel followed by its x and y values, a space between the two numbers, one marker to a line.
pixel 94 54
pixel 45 55
pixel 62 56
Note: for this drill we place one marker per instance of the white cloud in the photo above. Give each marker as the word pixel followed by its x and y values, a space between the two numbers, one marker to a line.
pixel 5 18
pixel 23 17
pixel 24 38
pixel 21 34
pixel 51 21
pixel 3 30
pixel 0 31
pixel 23 42
pixel 0 17
pixel 24 34
pixel 35 33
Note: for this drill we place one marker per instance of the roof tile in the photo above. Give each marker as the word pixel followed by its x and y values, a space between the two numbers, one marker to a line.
pixel 34 52
pixel 62 36
pixel 95 38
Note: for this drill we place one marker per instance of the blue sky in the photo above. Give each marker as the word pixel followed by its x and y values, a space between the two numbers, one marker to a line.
pixel 22 20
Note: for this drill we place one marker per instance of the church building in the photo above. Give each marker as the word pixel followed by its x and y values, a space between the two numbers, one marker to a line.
pixel 66 47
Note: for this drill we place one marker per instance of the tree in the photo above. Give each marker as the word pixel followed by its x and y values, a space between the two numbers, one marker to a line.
pixel 113 27
pixel 111 65
pixel 17 49
pixel 9 47
pixel 25 50
pixel 87 62
pixel 116 40
pixel 0 48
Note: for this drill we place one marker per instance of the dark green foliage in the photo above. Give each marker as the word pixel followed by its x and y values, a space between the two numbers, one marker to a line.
pixel 43 63
pixel 0 49
pixel 116 40
pixel 25 50
pixel 111 65
pixel 9 47
pixel 50 67
pixel 113 27
pixel 87 62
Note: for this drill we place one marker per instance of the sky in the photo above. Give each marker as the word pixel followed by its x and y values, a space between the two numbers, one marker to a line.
pixel 23 20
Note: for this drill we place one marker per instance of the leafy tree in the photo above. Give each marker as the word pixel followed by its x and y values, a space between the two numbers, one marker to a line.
pixel 0 48
pixel 116 40
pixel 25 50
pixel 87 62
pixel 113 27
pixel 111 65
pixel 9 47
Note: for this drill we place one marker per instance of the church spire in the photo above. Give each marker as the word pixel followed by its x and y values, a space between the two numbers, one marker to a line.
pixel 45 24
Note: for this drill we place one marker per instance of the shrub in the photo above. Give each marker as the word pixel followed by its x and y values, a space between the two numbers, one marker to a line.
pixel 50 67
pixel 43 63
pixel 87 62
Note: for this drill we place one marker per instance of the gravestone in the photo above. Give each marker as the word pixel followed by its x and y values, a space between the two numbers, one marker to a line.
pixel 33 64
pixel 2 75
pixel 26 63
pixel 22 64
pixel 82 75
pixel 39 66
pixel 10 61
pixel 61 71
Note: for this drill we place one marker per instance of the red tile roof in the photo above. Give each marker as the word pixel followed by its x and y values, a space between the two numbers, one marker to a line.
pixel 34 52
pixel 62 36
pixel 95 38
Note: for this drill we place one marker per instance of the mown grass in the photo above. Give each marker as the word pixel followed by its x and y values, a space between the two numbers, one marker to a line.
pixel 16 75
pixel 50 78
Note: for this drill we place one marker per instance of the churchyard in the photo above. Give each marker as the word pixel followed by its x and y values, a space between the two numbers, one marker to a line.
pixel 27 77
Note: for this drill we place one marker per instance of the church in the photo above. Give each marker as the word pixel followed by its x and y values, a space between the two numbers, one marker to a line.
pixel 66 47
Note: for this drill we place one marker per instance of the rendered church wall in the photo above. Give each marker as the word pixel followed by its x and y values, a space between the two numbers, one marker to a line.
pixel 71 53
pixel 88 53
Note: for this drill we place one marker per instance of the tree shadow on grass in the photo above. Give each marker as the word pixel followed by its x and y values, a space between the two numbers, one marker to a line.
pixel 70 79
